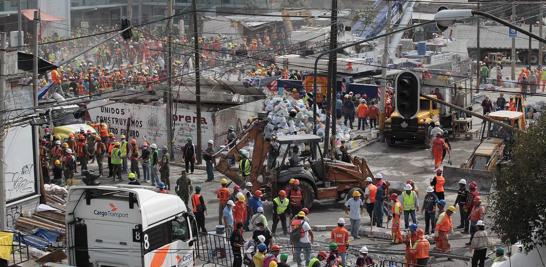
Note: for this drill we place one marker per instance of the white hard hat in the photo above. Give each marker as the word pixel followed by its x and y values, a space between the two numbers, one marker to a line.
pixel 239 195
pixel 230 202
pixel 430 189
pixel 480 223
pixel 462 181
pixel 69 151
pixel 211 142
pixel 153 146
pixel 340 221
pixel 379 176
pixel 58 142
pixel 437 123
pixel 369 179
pixel 248 184
pixel 364 250
pixel 260 209
pixel 261 238
pixel 407 187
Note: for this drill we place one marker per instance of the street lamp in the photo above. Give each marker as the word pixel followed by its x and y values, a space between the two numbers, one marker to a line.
pixel 342 48
pixel 448 17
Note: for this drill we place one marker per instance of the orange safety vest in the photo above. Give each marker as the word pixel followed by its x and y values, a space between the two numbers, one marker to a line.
pixel 422 248
pixel 196 201
pixel 223 195
pixel 340 235
pixel 103 130
pixel 79 149
pixel 295 197
pixel 440 181
pixel 373 192
pixel 444 223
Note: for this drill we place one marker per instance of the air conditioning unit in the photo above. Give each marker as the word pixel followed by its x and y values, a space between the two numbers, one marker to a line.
pixel 13 38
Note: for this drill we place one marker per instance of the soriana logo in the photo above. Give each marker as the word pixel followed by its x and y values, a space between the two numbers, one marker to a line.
pixel 112 211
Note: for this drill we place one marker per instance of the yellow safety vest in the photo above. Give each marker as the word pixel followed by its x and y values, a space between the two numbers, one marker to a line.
pixel 123 149
pixel 282 205
pixel 408 200
pixel 244 167
pixel 115 157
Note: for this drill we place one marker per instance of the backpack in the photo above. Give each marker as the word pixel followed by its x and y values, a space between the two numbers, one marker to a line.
pixel 296 233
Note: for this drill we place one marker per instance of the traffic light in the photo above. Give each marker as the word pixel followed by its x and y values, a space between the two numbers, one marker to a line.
pixel 126 34
pixel 407 94
pixel 441 27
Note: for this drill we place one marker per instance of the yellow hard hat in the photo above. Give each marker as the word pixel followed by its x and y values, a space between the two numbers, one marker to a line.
pixel 223 181
pixel 57 162
pixel 116 144
pixel 241 197
pixel 356 194
pixel 65 145
pixel 131 175
pixel 301 214
pixel 122 136
pixel 292 181
pixel 272 264
pixel 452 209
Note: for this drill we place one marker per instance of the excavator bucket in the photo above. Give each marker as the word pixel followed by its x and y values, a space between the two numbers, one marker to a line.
pixel 453 175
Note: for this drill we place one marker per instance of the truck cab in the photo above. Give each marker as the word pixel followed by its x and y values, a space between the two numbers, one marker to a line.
pixel 123 226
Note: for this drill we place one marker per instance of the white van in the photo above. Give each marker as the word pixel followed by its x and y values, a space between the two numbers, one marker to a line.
pixel 111 226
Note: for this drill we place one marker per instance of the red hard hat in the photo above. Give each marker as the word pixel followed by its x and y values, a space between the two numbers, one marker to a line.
pixel 258 193
pixel 473 185
pixel 323 254
pixel 282 193
pixel 394 196
pixel 275 248
pixel 306 210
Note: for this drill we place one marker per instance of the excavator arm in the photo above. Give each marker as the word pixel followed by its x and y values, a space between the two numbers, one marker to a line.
pixel 254 133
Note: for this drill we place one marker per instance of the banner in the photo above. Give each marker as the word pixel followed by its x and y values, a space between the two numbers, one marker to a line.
pixel 19 171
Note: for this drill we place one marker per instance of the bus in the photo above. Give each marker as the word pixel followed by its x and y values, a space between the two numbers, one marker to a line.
pixel 128 226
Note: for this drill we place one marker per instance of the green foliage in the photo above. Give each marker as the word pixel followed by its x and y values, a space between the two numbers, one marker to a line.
pixel 519 204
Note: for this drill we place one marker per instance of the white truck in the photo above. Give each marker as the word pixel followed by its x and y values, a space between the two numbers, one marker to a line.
pixel 128 226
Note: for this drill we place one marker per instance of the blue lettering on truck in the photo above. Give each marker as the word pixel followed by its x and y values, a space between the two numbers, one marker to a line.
pixel 109 213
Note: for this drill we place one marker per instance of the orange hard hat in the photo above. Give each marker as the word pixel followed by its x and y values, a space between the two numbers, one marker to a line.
pixel 275 248
pixel 65 145
pixel 282 193
pixel 296 182
pixel 258 193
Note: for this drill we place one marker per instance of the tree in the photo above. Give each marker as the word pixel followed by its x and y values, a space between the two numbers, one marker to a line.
pixel 519 204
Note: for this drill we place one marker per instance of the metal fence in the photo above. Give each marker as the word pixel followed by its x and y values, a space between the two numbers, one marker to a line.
pixel 214 249
pixel 19 250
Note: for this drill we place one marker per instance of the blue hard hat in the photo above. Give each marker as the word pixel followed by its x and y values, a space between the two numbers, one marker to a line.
pixel 262 247
pixel 413 227
pixel 161 185
pixel 442 202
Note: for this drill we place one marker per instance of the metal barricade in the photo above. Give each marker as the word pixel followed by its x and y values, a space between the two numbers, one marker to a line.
pixel 215 249
pixel 392 263
pixel 19 250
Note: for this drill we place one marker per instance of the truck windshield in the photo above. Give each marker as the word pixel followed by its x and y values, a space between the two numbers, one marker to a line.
pixel 180 229
pixel 424 104
pixel 64 117
pixel 498 131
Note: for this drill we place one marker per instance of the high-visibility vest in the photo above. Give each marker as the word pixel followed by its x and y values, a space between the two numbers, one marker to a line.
pixel 313 261
pixel 408 200
pixel 373 192
pixel 123 149
pixel 103 130
pixel 282 205
pixel 444 223
pixel 340 235
pixel 223 195
pixel 422 248
pixel 295 197
pixel 440 181
pixel 244 167
pixel 196 201
pixel 115 157
pixel 396 208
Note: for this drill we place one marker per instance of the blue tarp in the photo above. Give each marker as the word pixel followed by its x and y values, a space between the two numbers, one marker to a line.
pixel 371 90
pixel 42 91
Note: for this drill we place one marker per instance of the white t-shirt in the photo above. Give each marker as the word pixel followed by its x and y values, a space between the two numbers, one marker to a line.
pixel 354 208
pixel 306 228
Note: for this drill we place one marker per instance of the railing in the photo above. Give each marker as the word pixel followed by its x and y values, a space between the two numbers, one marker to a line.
pixel 214 249
pixel 19 251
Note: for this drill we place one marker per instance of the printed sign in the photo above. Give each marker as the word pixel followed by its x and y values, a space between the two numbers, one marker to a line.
pixel 19 172
pixel 512 33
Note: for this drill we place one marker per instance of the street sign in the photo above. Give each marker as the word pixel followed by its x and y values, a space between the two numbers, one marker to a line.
pixel 512 33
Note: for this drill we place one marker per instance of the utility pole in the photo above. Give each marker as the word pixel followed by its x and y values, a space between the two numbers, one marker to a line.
pixel 169 107
pixel 384 63
pixel 331 90
pixel 35 58
pixel 19 26
pixel 3 129
pixel 530 53
pixel 478 56
pixel 130 10
pixel 197 79
pixel 513 53
pixel 540 44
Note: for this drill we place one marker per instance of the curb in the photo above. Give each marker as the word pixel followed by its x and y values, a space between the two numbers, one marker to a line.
pixel 367 143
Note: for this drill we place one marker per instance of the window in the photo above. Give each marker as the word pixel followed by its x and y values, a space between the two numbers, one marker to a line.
pixel 424 104
pixel 157 237
pixel 180 229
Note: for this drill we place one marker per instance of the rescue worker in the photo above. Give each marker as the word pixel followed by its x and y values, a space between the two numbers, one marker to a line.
pixel 369 198
pixel 473 193
pixel 438 146
pixel 316 261
pixel 479 244
pixel 154 162
pixel 56 151
pixel 354 207
pixel 272 256
pixel 110 146
pixel 444 226
pixel 258 217
pixel 333 259
pixel 145 158
pixel 280 208
pixel 438 183
pixel 57 172
pixel 116 161
pixel 199 209
pixel 227 216
pixel 162 188
pixel 44 163
pixel 429 209
pixel 499 257
pixel 477 214
pixel 231 141
pixel 379 200
pixel 258 258
pixel 240 210
pixel 124 151
pixel 410 202
pixel 274 152
pixel 261 230
pixel 409 240
pixel 222 195
pixel 284 260
pixel 302 230
pixel 183 187
pixel 245 165
pixel 236 191
pixel 82 153
pixel 90 141
pixel 363 259
pixel 422 248
pixel 71 141
pixel 340 236
pixel 164 169
pixel 189 155
pixel 133 157
pixel 295 196
pixel 396 213
pixel 208 156
pixel 100 150
pixel 132 179
pixel 462 195
pixel 237 241
pixel 69 166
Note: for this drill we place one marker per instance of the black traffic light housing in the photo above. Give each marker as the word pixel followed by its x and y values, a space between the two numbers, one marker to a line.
pixel 126 34
pixel 440 27
pixel 407 94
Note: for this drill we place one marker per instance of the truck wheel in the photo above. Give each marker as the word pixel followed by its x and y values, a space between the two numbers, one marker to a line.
pixel 308 194
pixel 350 193
pixel 390 140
